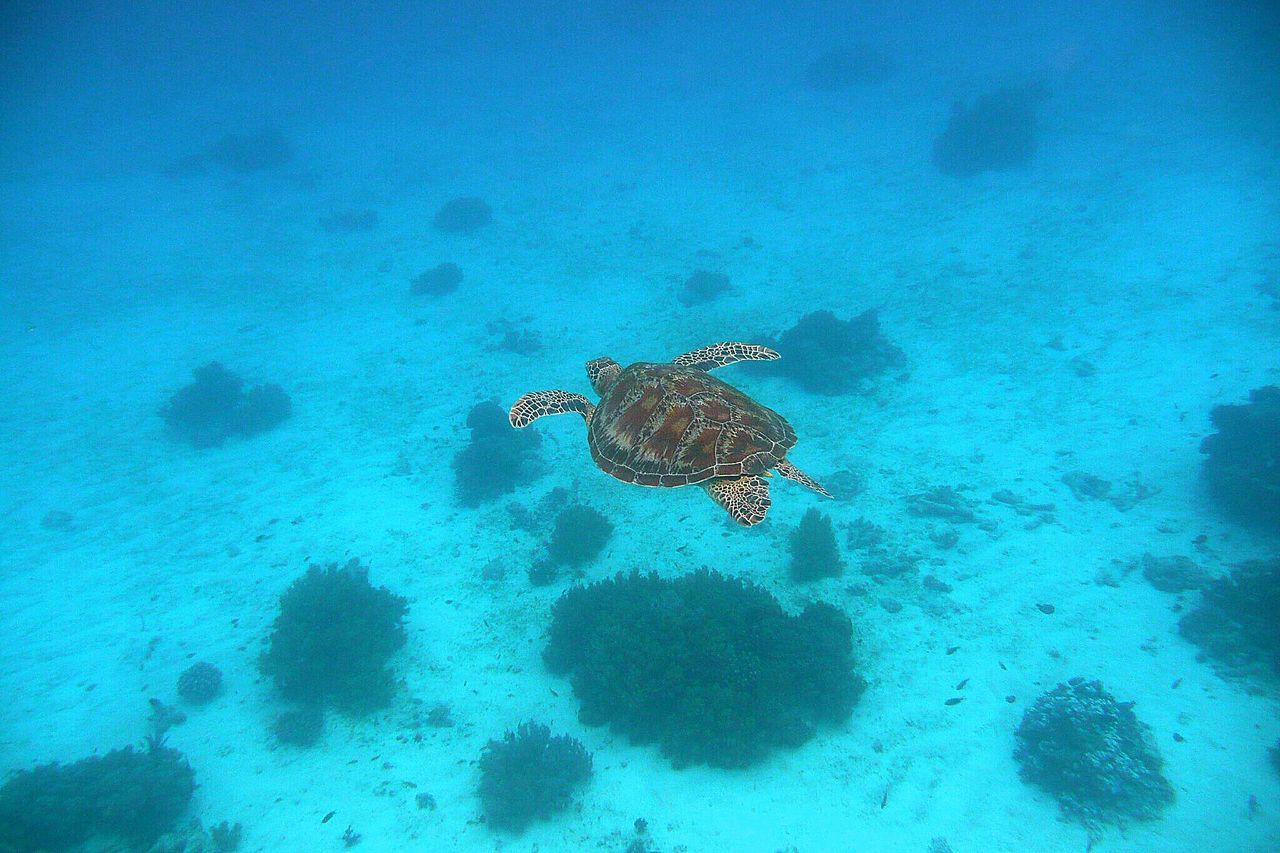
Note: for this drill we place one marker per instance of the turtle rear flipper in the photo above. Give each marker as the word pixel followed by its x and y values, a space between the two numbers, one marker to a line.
pixel 726 352
pixel 746 499
pixel 537 404
pixel 791 472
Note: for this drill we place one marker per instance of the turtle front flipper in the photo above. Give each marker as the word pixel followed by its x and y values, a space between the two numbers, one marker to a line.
pixel 746 499
pixel 791 472
pixel 536 404
pixel 727 352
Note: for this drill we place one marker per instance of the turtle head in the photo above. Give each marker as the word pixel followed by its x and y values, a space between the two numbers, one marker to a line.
pixel 603 372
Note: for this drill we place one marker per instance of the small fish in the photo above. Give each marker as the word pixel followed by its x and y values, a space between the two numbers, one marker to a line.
pixel 951 650
pixel 954 700
pixel 328 817
pixel 962 683
pixel 1177 682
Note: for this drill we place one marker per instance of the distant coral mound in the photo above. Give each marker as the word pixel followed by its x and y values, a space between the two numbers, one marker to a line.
pixel 827 355
pixel 703 287
pixel 350 221
pixel 216 407
pixel 848 67
pixel 997 132
pixel 1243 465
pixel 251 152
pixel 241 153
pixel 440 280
pixel 464 215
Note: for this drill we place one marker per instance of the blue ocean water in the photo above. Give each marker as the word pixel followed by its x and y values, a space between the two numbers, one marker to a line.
pixel 1046 239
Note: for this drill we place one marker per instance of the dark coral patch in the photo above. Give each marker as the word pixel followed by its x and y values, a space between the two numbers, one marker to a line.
pixel 439 280
pixel 1242 468
pixel 125 795
pixel 997 132
pixel 216 407
pixel 827 355
pixel 709 667
pixel 464 215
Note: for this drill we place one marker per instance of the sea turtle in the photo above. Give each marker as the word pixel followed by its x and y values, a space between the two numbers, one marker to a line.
pixel 677 425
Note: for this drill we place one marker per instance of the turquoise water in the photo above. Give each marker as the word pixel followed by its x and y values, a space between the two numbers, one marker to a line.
pixel 1071 279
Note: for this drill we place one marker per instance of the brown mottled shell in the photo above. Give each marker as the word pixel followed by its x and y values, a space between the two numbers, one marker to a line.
pixel 664 425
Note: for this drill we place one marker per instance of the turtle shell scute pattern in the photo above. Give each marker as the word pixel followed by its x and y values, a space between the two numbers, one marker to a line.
pixel 664 425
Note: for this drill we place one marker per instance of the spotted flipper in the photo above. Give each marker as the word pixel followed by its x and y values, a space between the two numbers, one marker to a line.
pixel 791 472
pixel 728 352
pixel 746 499
pixel 534 405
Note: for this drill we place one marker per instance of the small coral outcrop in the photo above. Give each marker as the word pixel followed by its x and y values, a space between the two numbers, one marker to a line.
pixel 579 536
pixel 333 639
pixel 498 458
pixel 1093 755
pixel 703 287
pixel 200 683
pixel 815 554
pixel 826 355
pixel 709 667
pixel 464 215
pixel 530 775
pixel 216 407
pixel 440 280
